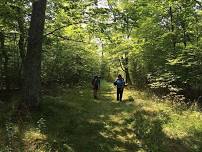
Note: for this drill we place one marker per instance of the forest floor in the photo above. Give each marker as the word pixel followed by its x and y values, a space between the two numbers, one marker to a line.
pixel 71 120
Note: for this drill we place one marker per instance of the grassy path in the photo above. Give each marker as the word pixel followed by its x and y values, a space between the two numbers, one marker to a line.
pixel 88 125
pixel 73 121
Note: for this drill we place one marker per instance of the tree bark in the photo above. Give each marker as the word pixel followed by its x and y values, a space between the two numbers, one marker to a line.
pixel 197 31
pixel 21 43
pixel 128 80
pixel 32 63
pixel 172 28
pixel 5 62
pixel 124 66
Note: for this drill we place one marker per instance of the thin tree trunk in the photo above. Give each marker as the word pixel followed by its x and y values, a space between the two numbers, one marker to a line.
pixel 172 28
pixel 183 24
pixel 5 62
pixel 184 38
pixel 32 66
pixel 197 32
pixel 127 74
pixel 128 80
pixel 21 43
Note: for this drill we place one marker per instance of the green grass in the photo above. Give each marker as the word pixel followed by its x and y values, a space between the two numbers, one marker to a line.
pixel 71 120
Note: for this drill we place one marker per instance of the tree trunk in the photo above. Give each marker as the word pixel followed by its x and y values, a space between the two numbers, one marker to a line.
pixel 184 38
pixel 21 43
pixel 197 31
pixel 5 62
pixel 172 28
pixel 32 64
pixel 128 80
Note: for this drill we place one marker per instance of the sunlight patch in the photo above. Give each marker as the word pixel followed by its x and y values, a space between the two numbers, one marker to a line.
pixel 106 135
pixel 101 116
pixel 118 119
pixel 34 140
pixel 119 149
pixel 92 121
pixel 174 133
pixel 33 135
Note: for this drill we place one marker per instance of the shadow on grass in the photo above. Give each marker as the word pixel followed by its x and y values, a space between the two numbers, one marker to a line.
pixel 148 127
pixel 195 140
pixel 74 121
pixel 85 124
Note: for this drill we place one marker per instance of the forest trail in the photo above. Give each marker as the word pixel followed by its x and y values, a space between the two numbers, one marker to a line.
pixel 49 48
pixel 80 123
pixel 70 120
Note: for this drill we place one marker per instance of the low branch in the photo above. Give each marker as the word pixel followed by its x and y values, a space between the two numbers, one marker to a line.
pixel 56 30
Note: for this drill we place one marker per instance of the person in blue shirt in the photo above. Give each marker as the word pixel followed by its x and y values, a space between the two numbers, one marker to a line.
pixel 120 83
pixel 95 85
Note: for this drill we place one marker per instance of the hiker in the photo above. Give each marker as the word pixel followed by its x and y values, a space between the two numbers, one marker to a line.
pixel 120 83
pixel 95 85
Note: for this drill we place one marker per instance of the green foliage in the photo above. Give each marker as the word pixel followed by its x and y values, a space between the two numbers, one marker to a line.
pixel 168 60
pixel 159 43
pixel 66 62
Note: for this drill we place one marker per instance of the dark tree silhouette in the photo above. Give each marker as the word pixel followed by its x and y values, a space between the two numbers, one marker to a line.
pixel 32 64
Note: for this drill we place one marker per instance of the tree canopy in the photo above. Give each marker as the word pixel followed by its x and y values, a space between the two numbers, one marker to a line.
pixel 155 44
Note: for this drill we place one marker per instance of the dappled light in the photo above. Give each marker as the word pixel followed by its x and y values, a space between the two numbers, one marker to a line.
pixel 67 122
pixel 100 76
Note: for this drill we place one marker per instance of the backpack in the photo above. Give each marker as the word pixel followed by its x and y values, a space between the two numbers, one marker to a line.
pixel 120 83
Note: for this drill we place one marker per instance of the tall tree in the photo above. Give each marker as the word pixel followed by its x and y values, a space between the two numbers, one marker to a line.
pixel 32 64
pixel 5 63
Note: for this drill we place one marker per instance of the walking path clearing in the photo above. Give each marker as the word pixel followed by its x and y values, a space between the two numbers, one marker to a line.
pixel 77 122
